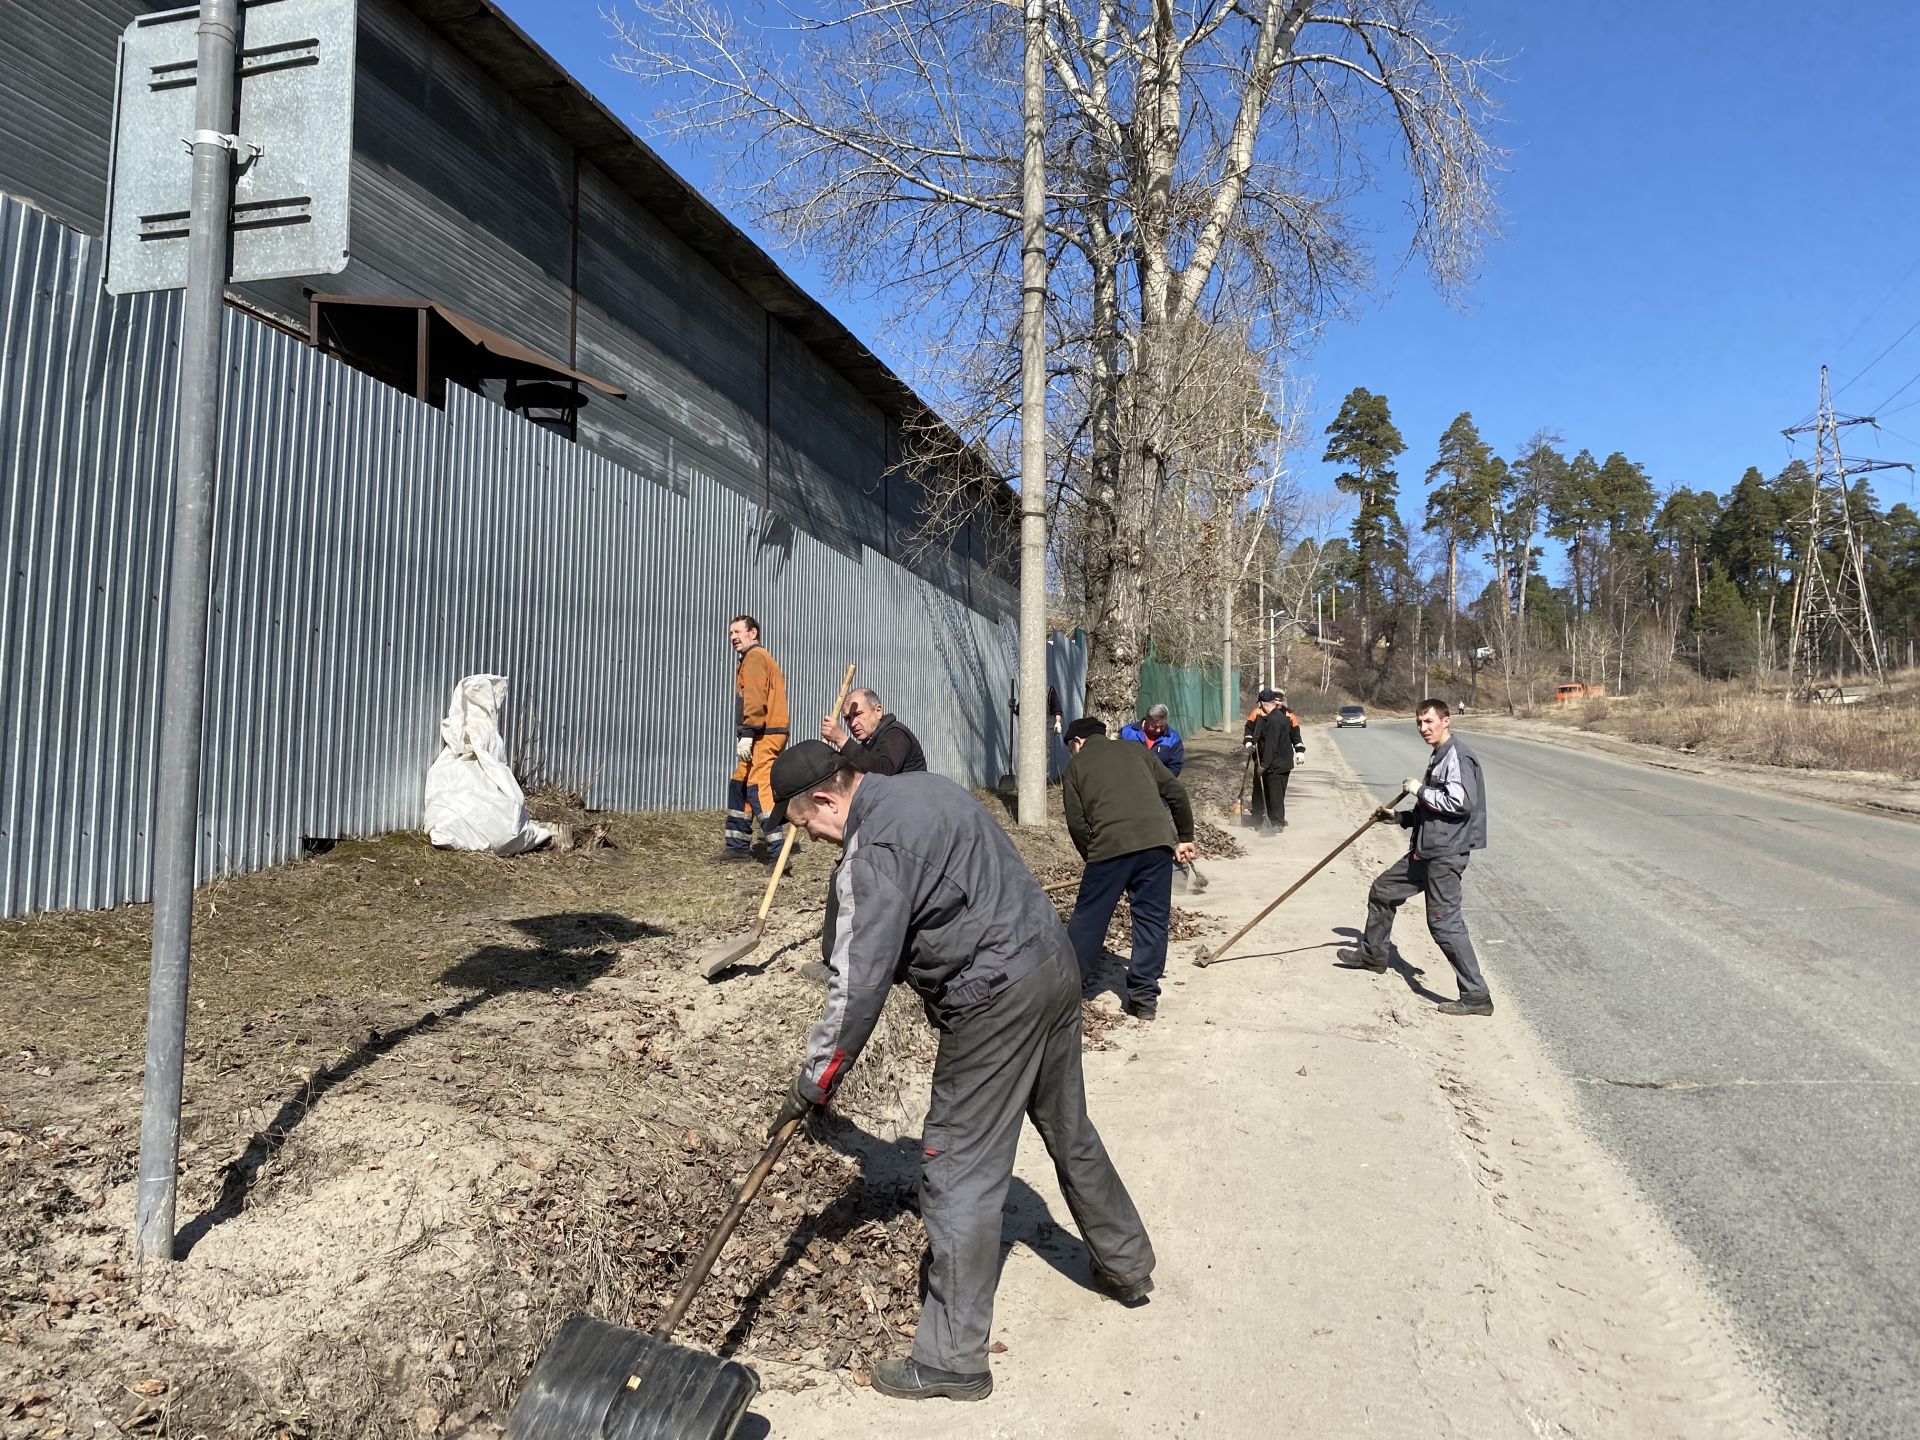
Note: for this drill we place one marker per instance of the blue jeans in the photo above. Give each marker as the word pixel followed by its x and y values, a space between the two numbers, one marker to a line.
pixel 1146 878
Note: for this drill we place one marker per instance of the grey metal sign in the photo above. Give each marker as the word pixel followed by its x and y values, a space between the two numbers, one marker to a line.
pixel 293 145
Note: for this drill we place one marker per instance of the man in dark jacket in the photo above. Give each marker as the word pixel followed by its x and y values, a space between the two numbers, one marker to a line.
pixel 931 891
pixel 1277 743
pixel 872 741
pixel 1118 800
pixel 1449 822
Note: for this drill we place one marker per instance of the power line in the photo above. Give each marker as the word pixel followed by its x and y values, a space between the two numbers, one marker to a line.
pixel 1896 394
pixel 1878 358
pixel 1875 308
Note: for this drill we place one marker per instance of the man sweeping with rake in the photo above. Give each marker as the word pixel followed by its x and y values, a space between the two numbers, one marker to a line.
pixel 931 891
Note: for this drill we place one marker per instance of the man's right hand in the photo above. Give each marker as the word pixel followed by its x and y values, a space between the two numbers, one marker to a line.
pixel 743 747
pixel 830 731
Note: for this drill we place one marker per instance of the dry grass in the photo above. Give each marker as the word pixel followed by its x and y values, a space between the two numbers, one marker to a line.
pixel 1730 721
pixel 435 1102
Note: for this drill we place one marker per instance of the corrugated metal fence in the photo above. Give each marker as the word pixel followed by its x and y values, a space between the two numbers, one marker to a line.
pixel 371 551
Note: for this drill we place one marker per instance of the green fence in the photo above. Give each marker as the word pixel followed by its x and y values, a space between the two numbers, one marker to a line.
pixel 1191 693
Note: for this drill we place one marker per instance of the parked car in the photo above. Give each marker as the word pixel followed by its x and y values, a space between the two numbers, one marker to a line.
pixel 1565 694
pixel 1355 715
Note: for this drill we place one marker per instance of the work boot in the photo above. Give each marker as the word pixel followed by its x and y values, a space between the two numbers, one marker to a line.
pixel 816 972
pixel 1359 960
pixel 1147 1010
pixel 731 856
pixel 905 1378
pixel 1127 1292
pixel 1466 1007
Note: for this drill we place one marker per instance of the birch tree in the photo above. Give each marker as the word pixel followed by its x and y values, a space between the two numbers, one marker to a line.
pixel 1204 161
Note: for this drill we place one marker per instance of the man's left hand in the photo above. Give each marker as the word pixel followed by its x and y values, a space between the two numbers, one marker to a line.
pixel 796 1107
pixel 1184 852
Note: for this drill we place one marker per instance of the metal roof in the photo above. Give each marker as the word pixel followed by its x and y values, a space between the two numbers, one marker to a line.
pixel 511 58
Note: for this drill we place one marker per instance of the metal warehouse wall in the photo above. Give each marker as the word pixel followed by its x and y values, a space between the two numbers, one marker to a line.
pixel 370 551
pixel 461 195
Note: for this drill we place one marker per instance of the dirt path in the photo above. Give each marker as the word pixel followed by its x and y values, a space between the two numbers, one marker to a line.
pixel 1370 1219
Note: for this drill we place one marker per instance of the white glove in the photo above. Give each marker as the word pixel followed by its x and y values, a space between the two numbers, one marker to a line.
pixel 743 747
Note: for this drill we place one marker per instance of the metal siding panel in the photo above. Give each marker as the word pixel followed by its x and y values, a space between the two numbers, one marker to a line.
pixel 56 103
pixel 370 551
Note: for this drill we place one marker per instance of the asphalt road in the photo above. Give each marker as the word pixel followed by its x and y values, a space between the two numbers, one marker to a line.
pixel 1734 979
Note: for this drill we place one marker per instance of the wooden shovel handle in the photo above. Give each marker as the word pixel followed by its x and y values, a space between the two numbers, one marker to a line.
pixel 1208 957
pixel 786 846
pixel 703 1264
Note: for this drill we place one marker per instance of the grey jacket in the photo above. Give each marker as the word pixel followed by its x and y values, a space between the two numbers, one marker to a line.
pixel 1449 814
pixel 931 891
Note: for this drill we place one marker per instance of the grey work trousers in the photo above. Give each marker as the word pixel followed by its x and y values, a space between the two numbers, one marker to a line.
pixel 1017 1055
pixel 1439 878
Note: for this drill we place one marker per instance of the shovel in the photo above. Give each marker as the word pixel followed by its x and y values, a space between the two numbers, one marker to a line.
pixel 723 955
pixel 1207 957
pixel 1239 801
pixel 596 1381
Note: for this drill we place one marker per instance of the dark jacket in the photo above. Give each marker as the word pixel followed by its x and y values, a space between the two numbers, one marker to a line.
pixel 1170 750
pixel 892 749
pixel 931 891
pixel 1277 739
pixel 1117 797
pixel 1449 814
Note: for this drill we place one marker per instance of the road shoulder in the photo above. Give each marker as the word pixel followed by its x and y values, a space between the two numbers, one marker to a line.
pixel 1852 789
pixel 1369 1218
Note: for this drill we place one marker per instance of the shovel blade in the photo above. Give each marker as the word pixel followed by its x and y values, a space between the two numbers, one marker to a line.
pixel 596 1381
pixel 722 956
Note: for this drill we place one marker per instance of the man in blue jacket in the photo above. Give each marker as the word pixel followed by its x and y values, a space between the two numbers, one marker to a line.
pixel 931 891
pixel 1449 822
pixel 1153 731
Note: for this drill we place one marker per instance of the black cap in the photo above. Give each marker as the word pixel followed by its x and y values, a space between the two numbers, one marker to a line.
pixel 1266 695
pixel 1085 728
pixel 798 769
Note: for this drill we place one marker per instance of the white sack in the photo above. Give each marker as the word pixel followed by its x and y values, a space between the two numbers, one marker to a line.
pixel 473 801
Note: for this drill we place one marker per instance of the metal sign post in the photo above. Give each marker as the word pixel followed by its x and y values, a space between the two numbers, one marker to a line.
pixel 283 89
pixel 184 663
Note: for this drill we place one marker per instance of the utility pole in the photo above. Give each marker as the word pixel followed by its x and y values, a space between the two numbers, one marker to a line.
pixel 1266 620
pixel 1833 613
pixel 1031 767
pixel 1229 676
pixel 176 828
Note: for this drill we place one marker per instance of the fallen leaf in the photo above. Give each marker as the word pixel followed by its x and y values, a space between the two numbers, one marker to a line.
pixel 155 1386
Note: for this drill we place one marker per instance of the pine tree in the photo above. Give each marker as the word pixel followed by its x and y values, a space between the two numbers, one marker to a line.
pixel 1457 508
pixel 1362 438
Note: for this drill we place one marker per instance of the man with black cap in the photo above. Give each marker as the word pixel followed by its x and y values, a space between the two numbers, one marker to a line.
pixel 1277 742
pixel 931 891
pixel 1131 821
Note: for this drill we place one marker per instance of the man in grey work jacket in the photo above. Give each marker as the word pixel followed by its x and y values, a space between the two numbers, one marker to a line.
pixel 1449 822
pixel 931 891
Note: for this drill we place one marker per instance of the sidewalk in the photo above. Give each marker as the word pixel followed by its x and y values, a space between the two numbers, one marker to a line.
pixel 1370 1219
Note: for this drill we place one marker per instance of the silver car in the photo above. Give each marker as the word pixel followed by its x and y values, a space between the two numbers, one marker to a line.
pixel 1355 715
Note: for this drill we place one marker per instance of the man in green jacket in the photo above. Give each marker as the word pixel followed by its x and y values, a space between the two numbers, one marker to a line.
pixel 1130 820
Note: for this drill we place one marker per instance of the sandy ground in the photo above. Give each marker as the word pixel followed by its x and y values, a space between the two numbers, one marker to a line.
pixel 1370 1219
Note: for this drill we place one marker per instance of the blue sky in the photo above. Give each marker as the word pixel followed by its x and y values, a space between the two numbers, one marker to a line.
pixel 1705 202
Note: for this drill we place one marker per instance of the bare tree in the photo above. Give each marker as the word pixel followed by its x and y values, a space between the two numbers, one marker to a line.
pixel 1202 164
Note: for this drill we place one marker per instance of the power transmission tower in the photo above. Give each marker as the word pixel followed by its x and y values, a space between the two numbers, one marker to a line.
pixel 1832 613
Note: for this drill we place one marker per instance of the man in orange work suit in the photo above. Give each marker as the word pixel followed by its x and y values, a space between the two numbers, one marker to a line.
pixel 760 733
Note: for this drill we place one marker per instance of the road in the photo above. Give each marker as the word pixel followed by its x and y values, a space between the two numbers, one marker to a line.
pixel 1734 980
